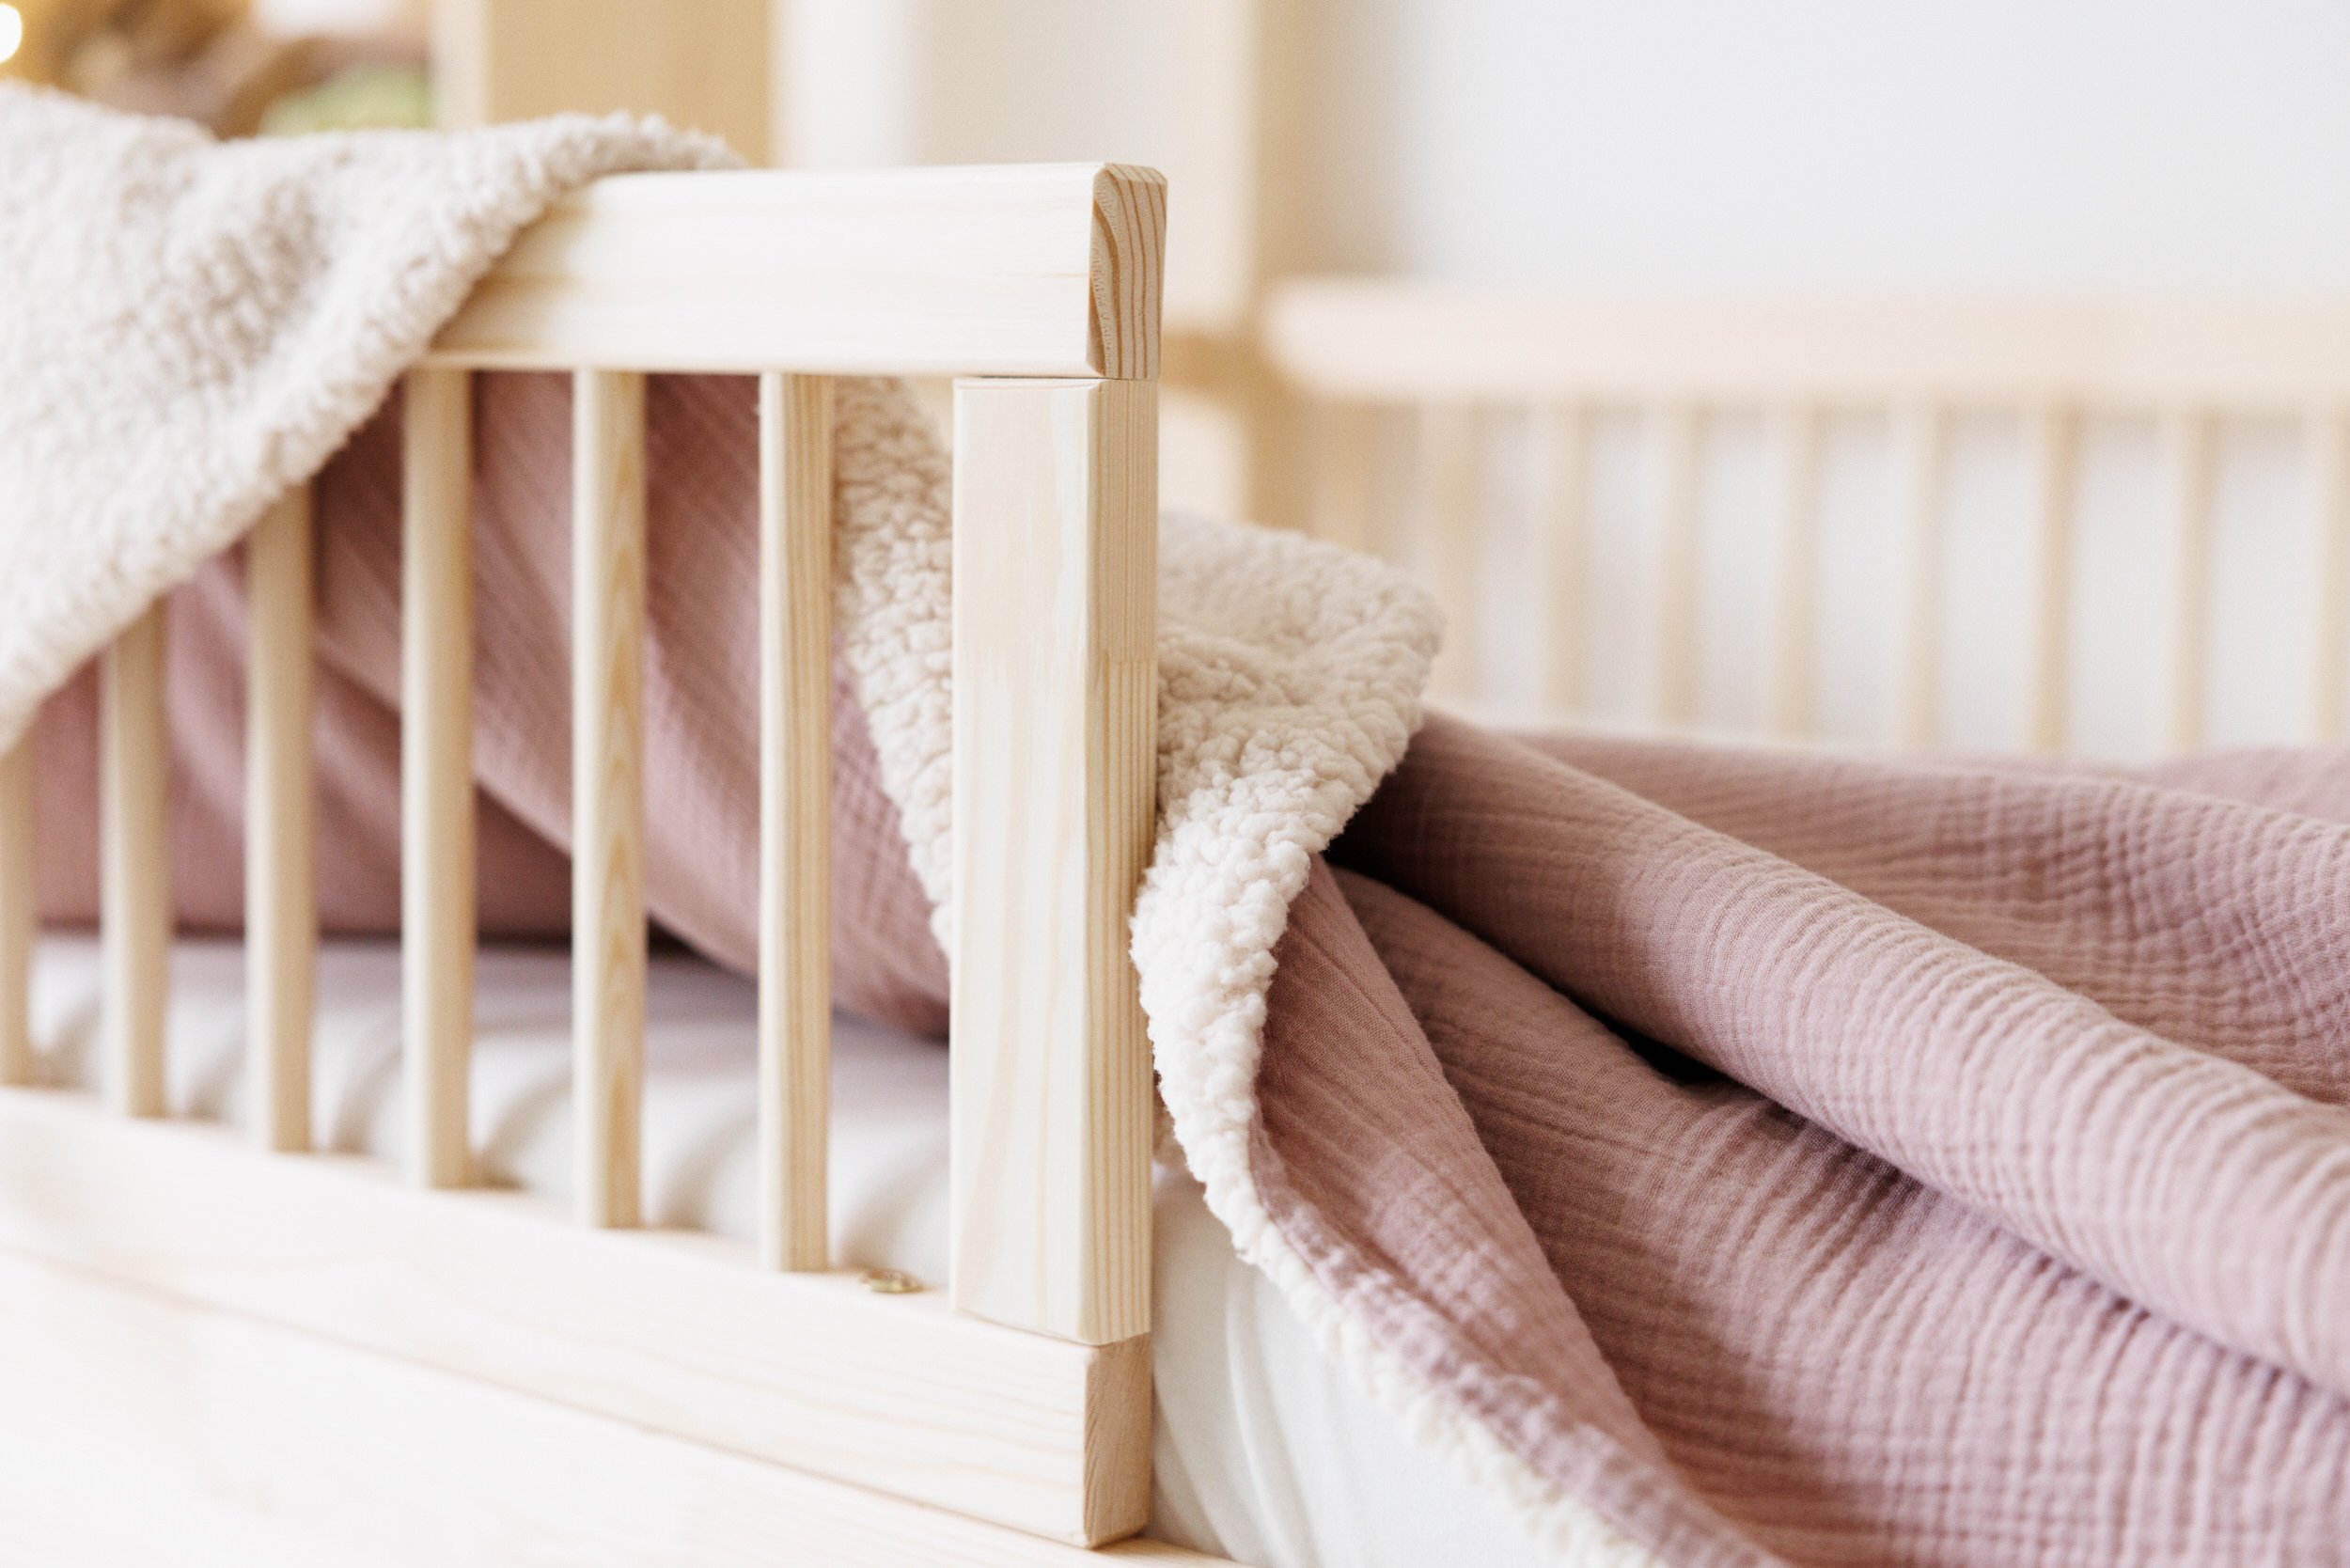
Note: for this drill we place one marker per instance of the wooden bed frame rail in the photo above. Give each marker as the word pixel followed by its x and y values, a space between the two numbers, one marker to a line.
pixel 1026 1403
pixel 1451 358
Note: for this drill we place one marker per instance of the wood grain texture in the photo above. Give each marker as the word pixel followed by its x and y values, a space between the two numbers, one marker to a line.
pixel 673 1332
pixel 1054 694
pixel 135 865
pixel 1919 442
pixel 281 921
pixel 1032 270
pixel 2051 456
pixel 1397 341
pixel 2187 506
pixel 1559 554
pixel 19 912
pixel 2328 460
pixel 608 941
pixel 436 774
pixel 1447 517
pixel 1794 436
pixel 1673 554
pixel 794 818
pixel 214 1422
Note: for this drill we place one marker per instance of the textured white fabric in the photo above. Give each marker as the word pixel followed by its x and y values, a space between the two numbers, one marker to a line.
pixel 1263 1452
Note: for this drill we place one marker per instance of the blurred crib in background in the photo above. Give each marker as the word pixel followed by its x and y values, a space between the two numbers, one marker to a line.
pixel 2117 528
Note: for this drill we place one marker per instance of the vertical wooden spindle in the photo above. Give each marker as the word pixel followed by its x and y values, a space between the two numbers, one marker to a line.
pixel 2328 464
pixel 281 923
pixel 436 773
pixel 1920 441
pixel 1345 458
pixel 608 791
pixel 1054 766
pixel 1448 511
pixel 1561 507
pixel 2052 443
pixel 1673 437
pixel 19 915
pixel 1794 431
pixel 135 874
pixel 795 817
pixel 2187 442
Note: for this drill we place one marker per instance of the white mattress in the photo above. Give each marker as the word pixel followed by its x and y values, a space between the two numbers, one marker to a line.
pixel 1264 1453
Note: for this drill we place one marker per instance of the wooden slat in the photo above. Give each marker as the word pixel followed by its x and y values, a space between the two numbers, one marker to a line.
pixel 2051 446
pixel 794 818
pixel 19 912
pixel 670 1331
pixel 1447 516
pixel 1031 270
pixel 281 921
pixel 1556 564
pixel 436 773
pixel 1794 437
pixel 2187 459
pixel 1381 339
pixel 1055 693
pixel 1673 543
pixel 2328 461
pixel 134 870
pixel 609 792
pixel 1920 436
pixel 1343 464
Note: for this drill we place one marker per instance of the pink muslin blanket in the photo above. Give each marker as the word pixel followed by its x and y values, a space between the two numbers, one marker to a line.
pixel 1777 1158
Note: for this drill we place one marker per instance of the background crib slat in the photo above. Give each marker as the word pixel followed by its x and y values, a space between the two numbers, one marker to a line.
pixel 18 912
pixel 1562 509
pixel 1343 469
pixel 2187 442
pixel 2051 455
pixel 135 870
pixel 2328 465
pixel 1055 711
pixel 1673 456
pixel 1794 432
pixel 436 772
pixel 1448 513
pixel 608 791
pixel 1919 450
pixel 795 817
pixel 280 875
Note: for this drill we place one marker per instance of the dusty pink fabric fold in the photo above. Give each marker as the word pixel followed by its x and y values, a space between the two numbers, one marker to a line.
pixel 1789 1159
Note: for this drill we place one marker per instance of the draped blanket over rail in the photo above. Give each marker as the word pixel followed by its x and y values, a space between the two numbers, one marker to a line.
pixel 1726 1157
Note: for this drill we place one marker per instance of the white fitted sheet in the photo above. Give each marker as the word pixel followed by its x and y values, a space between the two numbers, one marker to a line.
pixel 1265 1452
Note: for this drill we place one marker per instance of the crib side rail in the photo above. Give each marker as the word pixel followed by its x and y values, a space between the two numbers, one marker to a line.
pixel 1041 287
pixel 1451 359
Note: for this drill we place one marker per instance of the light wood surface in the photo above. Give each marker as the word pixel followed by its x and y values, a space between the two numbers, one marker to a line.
pixel 436 773
pixel 1446 508
pixel 215 1424
pixel 1054 694
pixel 608 939
pixel 794 818
pixel 2052 453
pixel 1673 542
pixel 2187 500
pixel 134 864
pixel 1795 435
pixel 19 912
pixel 699 64
pixel 1919 455
pixel 1386 340
pixel 676 1332
pixel 281 921
pixel 1343 437
pixel 1034 270
pixel 2328 457
pixel 1562 509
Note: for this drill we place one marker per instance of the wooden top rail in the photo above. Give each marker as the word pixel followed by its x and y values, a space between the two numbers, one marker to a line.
pixel 1381 341
pixel 1036 270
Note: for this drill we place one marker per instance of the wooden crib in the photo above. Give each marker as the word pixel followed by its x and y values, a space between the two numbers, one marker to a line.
pixel 1434 372
pixel 297 1348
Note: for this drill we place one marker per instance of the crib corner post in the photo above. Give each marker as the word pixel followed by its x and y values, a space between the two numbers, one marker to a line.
pixel 1056 524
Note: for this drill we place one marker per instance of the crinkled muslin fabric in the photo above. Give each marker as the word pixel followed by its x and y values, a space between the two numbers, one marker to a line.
pixel 1726 1157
